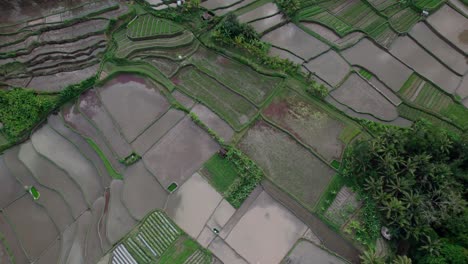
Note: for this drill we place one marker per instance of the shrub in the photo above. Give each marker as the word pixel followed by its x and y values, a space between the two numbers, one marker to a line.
pixel 318 90
pixel 249 177
pixel 289 7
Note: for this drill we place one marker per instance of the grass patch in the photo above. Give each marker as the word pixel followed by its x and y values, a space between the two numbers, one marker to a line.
pixel 112 172
pixel 349 133
pixel 335 164
pixel 34 193
pixel 181 250
pixel 172 187
pixel 222 172
pixel 367 75
pixel 336 183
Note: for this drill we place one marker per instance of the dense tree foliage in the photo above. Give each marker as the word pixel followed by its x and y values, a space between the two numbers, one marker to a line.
pixel 21 109
pixel 418 178
pixel 230 32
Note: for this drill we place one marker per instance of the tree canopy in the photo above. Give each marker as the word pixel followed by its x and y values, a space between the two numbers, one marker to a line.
pixel 418 178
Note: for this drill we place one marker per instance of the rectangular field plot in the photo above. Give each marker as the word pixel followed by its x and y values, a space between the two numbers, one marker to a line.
pixel 388 69
pixel 408 51
pixel 425 95
pixel 237 76
pixel 451 25
pixel 148 26
pixel 235 109
pixel 181 152
pixel 123 93
pixel 308 122
pixel 439 47
pixel 297 41
pixel 360 96
pixel 287 163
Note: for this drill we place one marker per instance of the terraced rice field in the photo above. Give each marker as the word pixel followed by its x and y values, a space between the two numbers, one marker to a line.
pixel 309 123
pixel 287 163
pixel 235 109
pixel 148 26
pixel 127 47
pixel 429 97
pixel 253 85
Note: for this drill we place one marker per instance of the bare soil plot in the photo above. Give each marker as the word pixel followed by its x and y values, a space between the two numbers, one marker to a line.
pixel 366 54
pixel 183 99
pixel 156 131
pixel 253 85
pixel 266 232
pixel 425 37
pixel 221 12
pixel 451 25
pixel 214 4
pixel 294 39
pixel 51 255
pixel 460 6
pixel 387 92
pixel 363 98
pixel 235 109
pixel 60 80
pixel 462 90
pixel 57 149
pixel 78 248
pixel 167 66
pixel 51 176
pixel 268 9
pixel 180 153
pixel 56 123
pixel 284 54
pixel 221 215
pixel 66 239
pixel 266 23
pixel 93 241
pixel 287 163
pixel 308 122
pixel 142 193
pixel 422 62
pixel 331 36
pixel 10 188
pixel 13 241
pixel 74 119
pixel 52 200
pixel 306 252
pixel 213 121
pixel 119 221
pixel 224 252
pixel 192 204
pixel 92 107
pixel 330 66
pixel 32 225
pixel 123 93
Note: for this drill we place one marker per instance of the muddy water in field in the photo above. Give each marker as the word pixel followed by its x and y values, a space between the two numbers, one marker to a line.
pixel 133 102
pixel 32 225
pixel 265 10
pixel 294 39
pixel 452 25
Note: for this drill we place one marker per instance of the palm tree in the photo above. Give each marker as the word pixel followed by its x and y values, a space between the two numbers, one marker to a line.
pixel 402 260
pixel 371 257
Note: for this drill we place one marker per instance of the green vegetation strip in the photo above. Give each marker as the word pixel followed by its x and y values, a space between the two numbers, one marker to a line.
pixel 112 172
pixel 222 172
pixel 182 250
